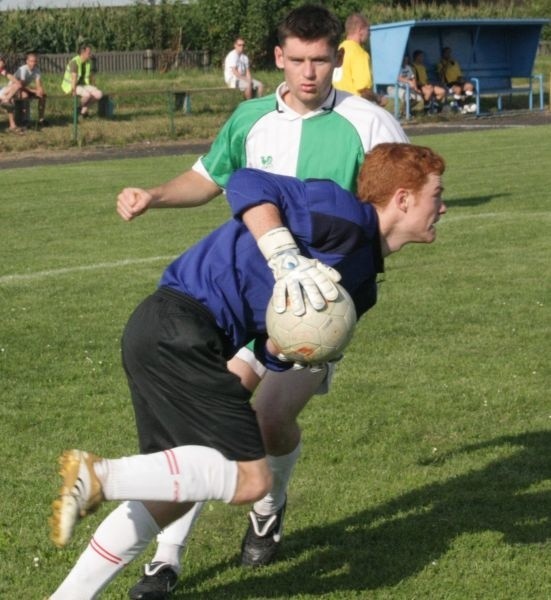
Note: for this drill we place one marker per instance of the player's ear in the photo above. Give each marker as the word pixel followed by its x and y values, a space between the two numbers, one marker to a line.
pixel 339 58
pixel 278 54
pixel 402 198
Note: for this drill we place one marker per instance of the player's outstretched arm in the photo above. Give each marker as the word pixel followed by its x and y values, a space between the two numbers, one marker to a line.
pixel 186 190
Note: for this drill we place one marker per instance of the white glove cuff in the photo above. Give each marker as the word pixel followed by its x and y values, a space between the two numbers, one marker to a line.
pixel 275 241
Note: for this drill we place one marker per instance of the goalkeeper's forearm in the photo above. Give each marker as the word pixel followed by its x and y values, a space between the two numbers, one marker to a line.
pixel 262 218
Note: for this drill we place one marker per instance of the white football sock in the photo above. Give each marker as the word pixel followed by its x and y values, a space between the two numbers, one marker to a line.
pixel 121 536
pixel 282 469
pixel 171 542
pixel 183 474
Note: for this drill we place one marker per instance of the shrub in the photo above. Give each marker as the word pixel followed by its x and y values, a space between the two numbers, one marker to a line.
pixel 213 24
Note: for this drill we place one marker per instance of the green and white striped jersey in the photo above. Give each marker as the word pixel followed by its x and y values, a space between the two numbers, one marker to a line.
pixel 327 143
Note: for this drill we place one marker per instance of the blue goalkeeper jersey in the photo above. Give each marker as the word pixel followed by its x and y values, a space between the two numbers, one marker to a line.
pixel 227 273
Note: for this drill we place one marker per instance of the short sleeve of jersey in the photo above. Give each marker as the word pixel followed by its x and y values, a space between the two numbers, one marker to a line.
pixel 228 151
pixel 226 154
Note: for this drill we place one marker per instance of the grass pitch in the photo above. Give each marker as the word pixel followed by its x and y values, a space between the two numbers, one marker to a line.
pixel 425 473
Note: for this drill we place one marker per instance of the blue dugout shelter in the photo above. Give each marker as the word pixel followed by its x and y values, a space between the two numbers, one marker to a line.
pixel 490 51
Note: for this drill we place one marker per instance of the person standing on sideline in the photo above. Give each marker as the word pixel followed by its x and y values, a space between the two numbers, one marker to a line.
pixel 79 79
pixel 305 129
pixel 30 78
pixel 355 75
pixel 199 437
pixel 237 71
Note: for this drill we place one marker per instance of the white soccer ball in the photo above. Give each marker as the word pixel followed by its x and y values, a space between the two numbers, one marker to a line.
pixel 317 336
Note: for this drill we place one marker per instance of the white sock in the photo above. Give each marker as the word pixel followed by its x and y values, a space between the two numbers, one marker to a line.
pixel 282 469
pixel 121 536
pixel 183 474
pixel 171 542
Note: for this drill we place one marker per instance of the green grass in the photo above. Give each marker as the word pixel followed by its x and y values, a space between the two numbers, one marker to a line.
pixel 141 112
pixel 425 473
pixel 143 119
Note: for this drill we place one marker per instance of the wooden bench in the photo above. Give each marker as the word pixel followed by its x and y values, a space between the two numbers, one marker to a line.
pixel 176 101
pixel 496 80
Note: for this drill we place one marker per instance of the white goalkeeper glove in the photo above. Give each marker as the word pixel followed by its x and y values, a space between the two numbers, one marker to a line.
pixel 294 273
pixel 313 367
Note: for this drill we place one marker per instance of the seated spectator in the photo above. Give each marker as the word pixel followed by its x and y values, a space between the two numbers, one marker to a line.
pixel 237 73
pixel 29 76
pixel 355 75
pixel 407 77
pixel 79 79
pixel 7 92
pixel 452 77
pixel 434 94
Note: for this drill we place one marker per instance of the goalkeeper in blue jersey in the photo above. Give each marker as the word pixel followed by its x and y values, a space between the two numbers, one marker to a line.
pixel 306 129
pixel 198 433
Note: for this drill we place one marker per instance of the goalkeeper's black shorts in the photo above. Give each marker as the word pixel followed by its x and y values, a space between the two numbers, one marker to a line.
pixel 175 357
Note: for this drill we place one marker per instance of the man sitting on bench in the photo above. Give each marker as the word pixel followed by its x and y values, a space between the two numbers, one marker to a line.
pixel 452 78
pixel 31 87
pixel 79 79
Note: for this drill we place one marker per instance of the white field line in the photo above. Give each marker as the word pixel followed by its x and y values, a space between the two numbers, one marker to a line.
pixel 5 279
pixel 446 219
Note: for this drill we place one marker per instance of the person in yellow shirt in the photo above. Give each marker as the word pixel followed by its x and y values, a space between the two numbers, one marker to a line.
pixel 355 74
pixel 452 77
pixel 434 95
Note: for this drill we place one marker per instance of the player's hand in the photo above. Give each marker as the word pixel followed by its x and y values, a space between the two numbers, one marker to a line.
pixel 298 366
pixel 295 274
pixel 133 202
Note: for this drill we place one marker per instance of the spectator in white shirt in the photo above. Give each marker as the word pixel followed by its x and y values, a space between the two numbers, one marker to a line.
pixel 31 84
pixel 237 73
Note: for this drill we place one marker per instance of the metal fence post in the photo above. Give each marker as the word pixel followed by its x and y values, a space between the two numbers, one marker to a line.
pixel 170 100
pixel 75 119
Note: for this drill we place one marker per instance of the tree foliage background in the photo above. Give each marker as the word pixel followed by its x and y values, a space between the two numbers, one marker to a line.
pixel 213 24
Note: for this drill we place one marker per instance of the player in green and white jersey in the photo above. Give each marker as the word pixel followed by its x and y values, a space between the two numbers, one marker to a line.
pixel 332 138
pixel 309 130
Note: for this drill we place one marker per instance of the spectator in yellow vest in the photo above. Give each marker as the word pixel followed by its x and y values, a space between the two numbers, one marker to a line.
pixel 79 79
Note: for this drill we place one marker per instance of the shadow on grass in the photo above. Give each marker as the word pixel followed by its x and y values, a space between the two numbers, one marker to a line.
pixel 474 200
pixel 386 544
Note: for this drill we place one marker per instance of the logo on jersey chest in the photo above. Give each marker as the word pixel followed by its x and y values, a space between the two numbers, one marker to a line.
pixel 266 161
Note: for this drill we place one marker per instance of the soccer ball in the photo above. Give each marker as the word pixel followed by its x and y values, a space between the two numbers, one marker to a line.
pixel 317 336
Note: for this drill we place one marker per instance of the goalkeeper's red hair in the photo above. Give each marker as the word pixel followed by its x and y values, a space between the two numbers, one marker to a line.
pixel 391 166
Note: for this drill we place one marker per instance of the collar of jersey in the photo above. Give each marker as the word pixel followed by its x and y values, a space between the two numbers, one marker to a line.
pixel 286 110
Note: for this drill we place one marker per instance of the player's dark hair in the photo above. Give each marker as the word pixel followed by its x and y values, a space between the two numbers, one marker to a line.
pixel 310 22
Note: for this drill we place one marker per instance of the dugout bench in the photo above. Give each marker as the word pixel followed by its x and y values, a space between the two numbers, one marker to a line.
pixel 493 53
